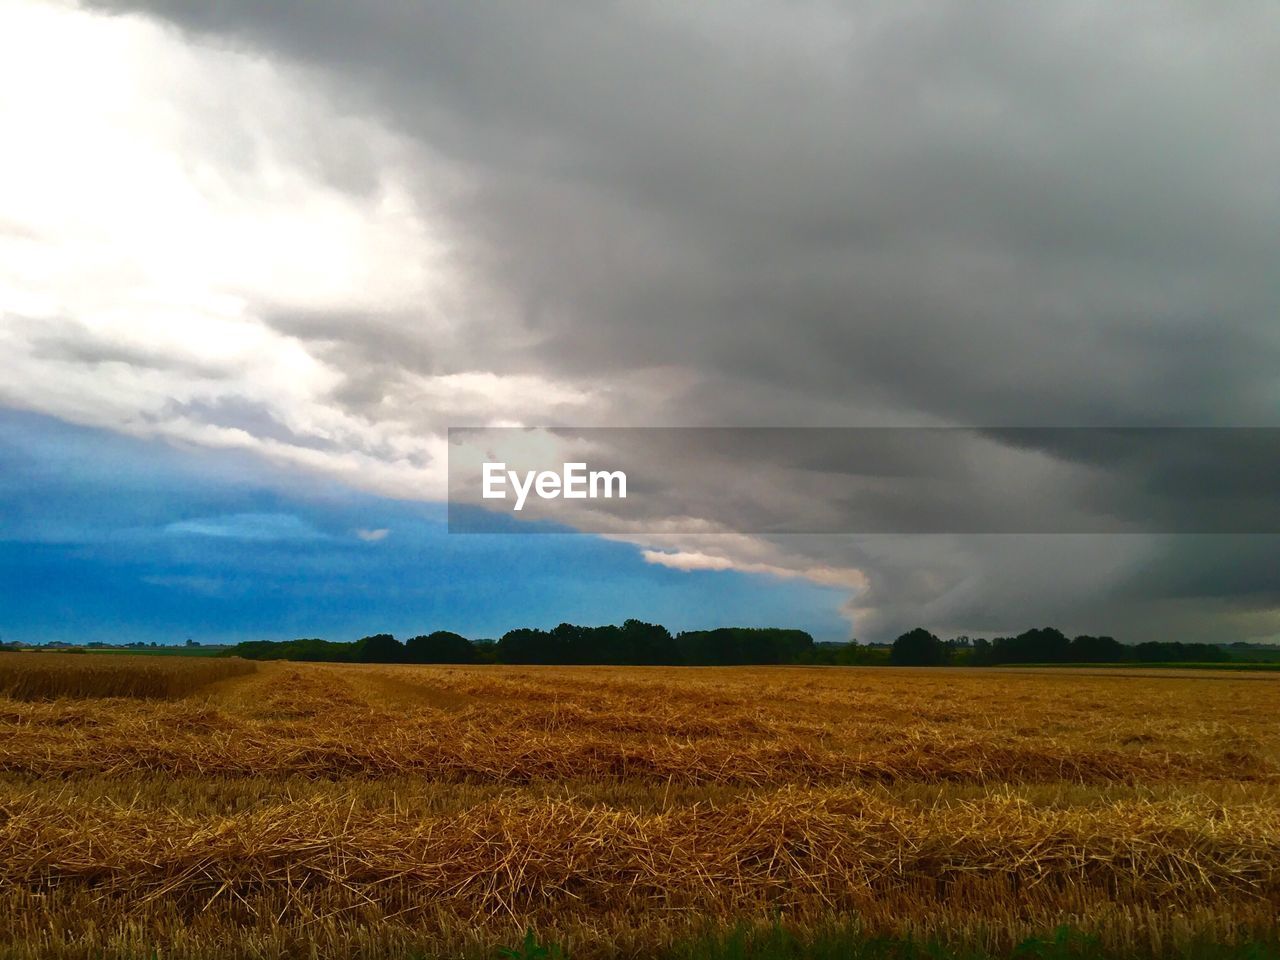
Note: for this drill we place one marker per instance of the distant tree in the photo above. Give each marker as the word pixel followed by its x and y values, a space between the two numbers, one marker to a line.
pixel 1090 649
pixel 743 645
pixel 918 648
pixel 646 643
pixel 301 649
pixel 486 651
pixel 525 645
pixel 981 655
pixel 319 650
pixel 854 654
pixel 570 643
pixel 442 646
pixel 1158 652
pixel 960 651
pixel 1043 645
pixel 379 648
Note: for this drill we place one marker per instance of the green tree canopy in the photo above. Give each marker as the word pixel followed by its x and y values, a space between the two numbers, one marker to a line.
pixel 918 648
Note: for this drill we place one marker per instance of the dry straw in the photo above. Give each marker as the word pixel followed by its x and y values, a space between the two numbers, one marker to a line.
pixel 392 810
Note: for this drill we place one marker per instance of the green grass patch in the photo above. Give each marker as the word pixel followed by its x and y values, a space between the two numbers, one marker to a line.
pixel 850 943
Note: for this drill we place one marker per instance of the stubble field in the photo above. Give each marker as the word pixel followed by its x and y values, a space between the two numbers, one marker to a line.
pixel 367 810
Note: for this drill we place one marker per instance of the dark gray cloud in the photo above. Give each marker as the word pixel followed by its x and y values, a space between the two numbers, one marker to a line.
pixel 838 214
pixel 979 212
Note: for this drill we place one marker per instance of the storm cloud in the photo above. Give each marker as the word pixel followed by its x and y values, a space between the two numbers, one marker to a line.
pixel 747 214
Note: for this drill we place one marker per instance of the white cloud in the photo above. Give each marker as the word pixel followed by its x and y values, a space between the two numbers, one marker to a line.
pixel 264 527
pixel 372 536
pixel 686 560
pixel 747 554
pixel 162 202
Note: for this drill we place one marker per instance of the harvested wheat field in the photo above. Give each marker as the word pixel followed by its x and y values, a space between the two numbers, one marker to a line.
pixel 388 811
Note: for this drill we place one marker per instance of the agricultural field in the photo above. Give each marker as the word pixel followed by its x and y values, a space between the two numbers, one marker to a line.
pixel 55 676
pixel 290 809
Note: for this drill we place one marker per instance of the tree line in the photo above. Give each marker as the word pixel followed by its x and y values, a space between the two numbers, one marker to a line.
pixel 633 643
pixel 637 643
pixel 920 648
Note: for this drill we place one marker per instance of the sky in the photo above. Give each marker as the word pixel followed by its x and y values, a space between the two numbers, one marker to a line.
pixel 256 259
pixel 118 539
